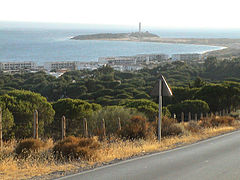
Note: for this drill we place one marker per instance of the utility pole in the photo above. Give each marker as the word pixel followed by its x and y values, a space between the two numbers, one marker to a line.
pixel 160 110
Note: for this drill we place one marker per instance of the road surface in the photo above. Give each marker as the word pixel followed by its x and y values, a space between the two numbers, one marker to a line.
pixel 217 158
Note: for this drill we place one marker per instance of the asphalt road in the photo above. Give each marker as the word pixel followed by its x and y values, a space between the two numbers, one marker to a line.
pixel 217 158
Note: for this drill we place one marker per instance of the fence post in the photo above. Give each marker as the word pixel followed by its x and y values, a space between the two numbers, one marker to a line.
pixel 1 137
pixel 85 127
pixel 195 117
pixel 189 116
pixel 119 124
pixel 182 117
pixel 35 130
pixel 223 112
pixel 103 128
pixel 63 127
pixel 174 116
pixel 201 116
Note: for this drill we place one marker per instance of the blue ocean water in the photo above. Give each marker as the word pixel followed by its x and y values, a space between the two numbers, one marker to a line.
pixel 49 44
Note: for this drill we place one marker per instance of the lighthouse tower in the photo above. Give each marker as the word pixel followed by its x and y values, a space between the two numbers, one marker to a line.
pixel 140 27
pixel 139 31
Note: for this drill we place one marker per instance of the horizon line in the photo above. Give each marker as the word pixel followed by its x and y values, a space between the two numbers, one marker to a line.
pixel 111 25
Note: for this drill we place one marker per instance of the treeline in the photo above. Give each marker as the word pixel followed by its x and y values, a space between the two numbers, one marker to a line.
pixel 110 84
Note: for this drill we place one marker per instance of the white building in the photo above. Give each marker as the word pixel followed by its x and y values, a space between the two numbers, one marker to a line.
pixel 186 57
pixel 88 65
pixel 151 57
pixel 13 66
pixel 117 60
pixel 68 65
pixel 131 60
pixel 126 67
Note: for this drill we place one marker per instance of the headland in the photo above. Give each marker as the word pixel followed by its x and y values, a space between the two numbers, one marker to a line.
pixel 134 36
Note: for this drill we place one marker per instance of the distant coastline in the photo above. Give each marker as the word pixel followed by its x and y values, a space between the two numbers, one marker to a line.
pixel 227 47
pixel 37 45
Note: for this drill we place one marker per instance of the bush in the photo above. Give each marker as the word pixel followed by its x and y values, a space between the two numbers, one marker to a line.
pixel 136 128
pixel 110 114
pixel 27 146
pixel 216 121
pixel 76 148
pixel 149 108
pixel 205 122
pixel 193 127
pixel 222 121
pixel 170 127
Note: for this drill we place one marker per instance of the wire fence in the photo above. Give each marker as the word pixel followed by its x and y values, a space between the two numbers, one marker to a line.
pixel 189 116
pixel 63 126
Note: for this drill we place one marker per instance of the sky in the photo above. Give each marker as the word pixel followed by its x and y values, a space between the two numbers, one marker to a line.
pixel 152 13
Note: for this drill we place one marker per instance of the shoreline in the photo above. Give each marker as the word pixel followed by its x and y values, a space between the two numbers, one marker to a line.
pixel 220 48
pixel 227 47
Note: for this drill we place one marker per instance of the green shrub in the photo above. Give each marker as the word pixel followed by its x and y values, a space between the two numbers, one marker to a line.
pixel 76 148
pixel 149 108
pixel 27 146
pixel 110 114
pixel 136 128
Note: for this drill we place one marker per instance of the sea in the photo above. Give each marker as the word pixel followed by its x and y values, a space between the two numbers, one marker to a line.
pixel 44 43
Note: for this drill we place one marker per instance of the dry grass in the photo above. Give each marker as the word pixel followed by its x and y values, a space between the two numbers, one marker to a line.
pixel 43 162
pixel 36 164
pixel 11 168
pixel 125 149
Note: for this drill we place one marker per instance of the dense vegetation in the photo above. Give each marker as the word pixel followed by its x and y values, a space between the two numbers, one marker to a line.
pixel 210 86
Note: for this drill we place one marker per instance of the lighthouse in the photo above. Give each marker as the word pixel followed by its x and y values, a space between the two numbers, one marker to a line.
pixel 139 27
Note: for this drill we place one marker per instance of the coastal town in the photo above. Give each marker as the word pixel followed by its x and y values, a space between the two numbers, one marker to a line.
pixel 120 63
